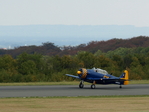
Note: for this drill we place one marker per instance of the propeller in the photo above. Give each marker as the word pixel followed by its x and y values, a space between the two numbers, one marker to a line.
pixel 82 73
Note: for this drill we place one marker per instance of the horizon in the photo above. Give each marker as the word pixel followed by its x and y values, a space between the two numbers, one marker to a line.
pixel 65 35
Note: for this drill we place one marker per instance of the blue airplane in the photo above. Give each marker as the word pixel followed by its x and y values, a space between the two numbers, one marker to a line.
pixel 100 76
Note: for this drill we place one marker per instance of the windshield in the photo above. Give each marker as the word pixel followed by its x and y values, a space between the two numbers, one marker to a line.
pixel 98 70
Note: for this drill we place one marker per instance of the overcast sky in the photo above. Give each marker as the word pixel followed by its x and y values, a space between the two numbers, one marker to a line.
pixel 75 12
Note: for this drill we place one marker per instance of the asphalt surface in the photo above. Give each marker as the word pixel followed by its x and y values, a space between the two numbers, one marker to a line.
pixel 72 90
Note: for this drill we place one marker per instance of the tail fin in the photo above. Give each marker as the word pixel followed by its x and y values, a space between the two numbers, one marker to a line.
pixel 125 76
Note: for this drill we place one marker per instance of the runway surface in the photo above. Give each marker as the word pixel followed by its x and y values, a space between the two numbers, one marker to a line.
pixel 72 90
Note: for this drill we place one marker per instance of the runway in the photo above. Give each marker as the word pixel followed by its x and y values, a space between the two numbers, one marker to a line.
pixel 72 90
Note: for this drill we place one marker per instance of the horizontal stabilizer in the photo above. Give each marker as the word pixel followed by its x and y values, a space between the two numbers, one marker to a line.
pixel 72 76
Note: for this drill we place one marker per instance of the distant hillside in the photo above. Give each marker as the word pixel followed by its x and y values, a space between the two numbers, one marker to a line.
pixel 51 49
pixel 113 44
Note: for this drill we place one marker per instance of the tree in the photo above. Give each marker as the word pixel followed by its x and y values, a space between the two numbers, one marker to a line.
pixel 8 63
pixel 119 61
pixel 87 58
pixel 127 60
pixel 29 63
pixel 8 69
pixel 136 69
pixel 98 53
pixel 28 67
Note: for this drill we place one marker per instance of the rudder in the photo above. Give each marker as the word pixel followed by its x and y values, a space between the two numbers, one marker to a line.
pixel 125 76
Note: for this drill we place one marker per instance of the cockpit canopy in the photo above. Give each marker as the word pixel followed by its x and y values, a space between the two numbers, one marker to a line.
pixel 98 70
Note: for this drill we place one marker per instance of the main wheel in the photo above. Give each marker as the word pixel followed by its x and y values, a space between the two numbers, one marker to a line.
pixel 81 85
pixel 93 86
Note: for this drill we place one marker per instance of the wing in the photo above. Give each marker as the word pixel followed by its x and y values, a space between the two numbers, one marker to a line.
pixel 72 76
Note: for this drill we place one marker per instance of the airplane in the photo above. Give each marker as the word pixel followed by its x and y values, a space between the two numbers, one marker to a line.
pixel 100 76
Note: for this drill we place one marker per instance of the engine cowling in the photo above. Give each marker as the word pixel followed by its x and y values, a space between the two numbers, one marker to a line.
pixel 82 73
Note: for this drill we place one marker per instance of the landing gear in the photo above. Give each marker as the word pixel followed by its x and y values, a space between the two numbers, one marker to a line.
pixel 120 86
pixel 81 85
pixel 93 86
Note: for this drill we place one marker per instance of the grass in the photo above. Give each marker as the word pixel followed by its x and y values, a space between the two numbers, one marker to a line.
pixel 62 83
pixel 39 83
pixel 139 82
pixel 76 104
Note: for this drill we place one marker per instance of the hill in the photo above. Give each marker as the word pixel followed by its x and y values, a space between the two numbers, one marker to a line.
pixel 51 49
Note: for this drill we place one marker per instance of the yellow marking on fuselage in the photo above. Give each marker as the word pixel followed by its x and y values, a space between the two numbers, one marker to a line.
pixel 106 76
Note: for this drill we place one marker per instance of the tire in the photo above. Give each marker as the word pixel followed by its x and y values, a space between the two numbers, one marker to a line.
pixel 93 86
pixel 81 85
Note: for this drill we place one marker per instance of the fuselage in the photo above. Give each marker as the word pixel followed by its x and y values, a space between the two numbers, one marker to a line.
pixel 99 78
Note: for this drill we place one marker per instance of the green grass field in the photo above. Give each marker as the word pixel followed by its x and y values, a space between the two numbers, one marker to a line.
pixel 76 104
pixel 63 83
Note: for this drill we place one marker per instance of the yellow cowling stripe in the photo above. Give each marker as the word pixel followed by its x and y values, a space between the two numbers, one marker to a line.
pixel 84 73
pixel 126 77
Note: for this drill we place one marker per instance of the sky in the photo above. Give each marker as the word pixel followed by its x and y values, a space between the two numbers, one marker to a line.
pixel 74 12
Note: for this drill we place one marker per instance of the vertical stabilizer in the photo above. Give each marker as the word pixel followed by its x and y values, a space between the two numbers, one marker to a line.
pixel 125 76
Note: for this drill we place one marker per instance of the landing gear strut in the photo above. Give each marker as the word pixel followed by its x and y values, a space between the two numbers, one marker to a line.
pixel 81 85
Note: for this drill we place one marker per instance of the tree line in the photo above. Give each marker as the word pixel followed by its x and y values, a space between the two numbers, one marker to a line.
pixel 37 67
